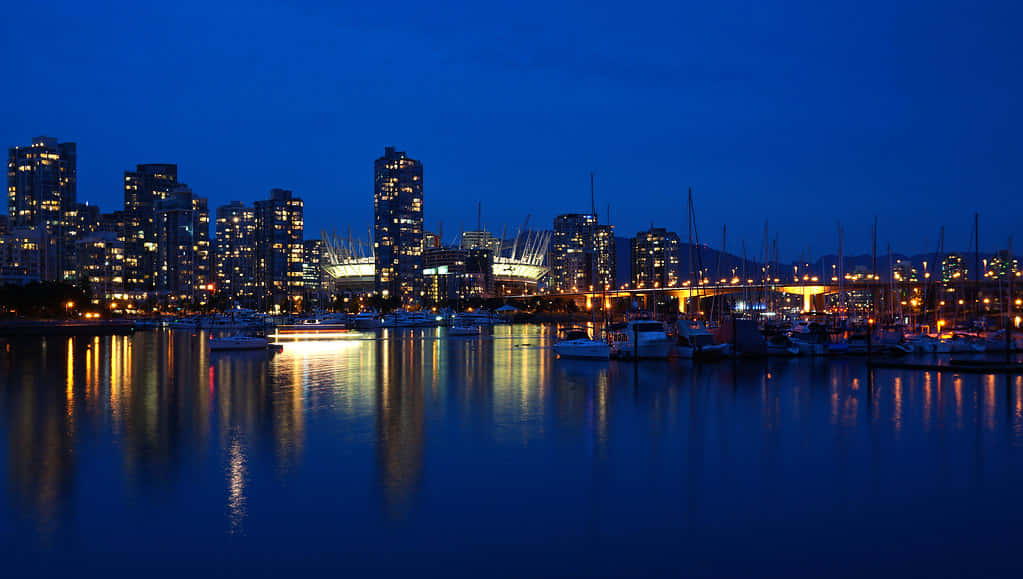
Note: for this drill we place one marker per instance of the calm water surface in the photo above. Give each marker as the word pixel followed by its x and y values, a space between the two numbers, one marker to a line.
pixel 384 454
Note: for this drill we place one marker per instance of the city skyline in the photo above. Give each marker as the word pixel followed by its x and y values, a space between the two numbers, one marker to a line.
pixel 836 123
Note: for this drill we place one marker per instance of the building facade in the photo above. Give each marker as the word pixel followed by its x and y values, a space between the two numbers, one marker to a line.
pixel 398 226
pixel 235 253
pixel 143 187
pixel 655 259
pixel 42 193
pixel 604 269
pixel 953 268
pixel 314 276
pixel 572 252
pixel 182 241
pixel 1002 265
pixel 279 251
pixel 20 255
pixel 477 239
pixel 101 263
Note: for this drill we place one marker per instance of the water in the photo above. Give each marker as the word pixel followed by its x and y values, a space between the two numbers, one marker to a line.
pixel 490 457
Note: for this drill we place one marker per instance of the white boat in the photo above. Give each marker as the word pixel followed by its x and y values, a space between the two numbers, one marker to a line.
pixel 809 338
pixel 464 331
pixel 239 343
pixel 577 344
pixel 313 327
pixel 695 341
pixel 642 339
pixel 365 321
pixel 403 319
pixel 481 317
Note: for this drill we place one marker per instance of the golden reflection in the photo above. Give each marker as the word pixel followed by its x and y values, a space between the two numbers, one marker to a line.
pixel 69 381
pixel 898 408
pixel 400 422
pixel 957 393
pixel 927 401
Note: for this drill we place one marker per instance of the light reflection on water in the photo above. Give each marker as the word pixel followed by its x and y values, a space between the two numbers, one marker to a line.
pixel 411 439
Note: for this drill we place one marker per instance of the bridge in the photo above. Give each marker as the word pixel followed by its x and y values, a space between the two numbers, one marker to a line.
pixel 811 293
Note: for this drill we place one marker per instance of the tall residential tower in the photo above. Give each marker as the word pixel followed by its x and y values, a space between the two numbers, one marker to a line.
pixel 279 251
pixel 398 225
pixel 41 194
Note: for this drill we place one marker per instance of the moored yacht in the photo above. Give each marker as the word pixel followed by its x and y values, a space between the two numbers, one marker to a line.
pixel 578 344
pixel 695 341
pixel 239 343
pixel 640 339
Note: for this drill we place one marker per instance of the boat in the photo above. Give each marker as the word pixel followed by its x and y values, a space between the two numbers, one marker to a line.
pixel 313 327
pixel 892 340
pixel 640 339
pixel 781 345
pixel 810 338
pixel 421 319
pixel 481 317
pixel 965 344
pixel 365 321
pixel 694 341
pixel 240 343
pixel 464 331
pixel 577 343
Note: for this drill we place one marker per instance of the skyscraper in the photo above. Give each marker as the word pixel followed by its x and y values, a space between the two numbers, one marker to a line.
pixel 314 278
pixel 572 257
pixel 604 268
pixel 142 189
pixel 398 225
pixel 279 250
pixel 236 253
pixel 41 193
pixel 182 240
pixel 655 258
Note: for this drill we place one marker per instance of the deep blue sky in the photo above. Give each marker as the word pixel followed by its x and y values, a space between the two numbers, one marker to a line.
pixel 798 112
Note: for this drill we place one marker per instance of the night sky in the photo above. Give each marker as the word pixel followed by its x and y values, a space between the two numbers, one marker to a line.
pixel 802 113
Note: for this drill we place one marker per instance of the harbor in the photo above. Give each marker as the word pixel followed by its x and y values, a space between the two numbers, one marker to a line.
pixel 494 446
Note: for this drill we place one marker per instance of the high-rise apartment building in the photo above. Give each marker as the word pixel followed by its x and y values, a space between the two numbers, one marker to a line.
pixel 235 255
pixel 953 267
pixel 572 252
pixel 182 240
pixel 655 259
pixel 100 258
pixel 398 225
pixel 143 187
pixel 604 268
pixel 42 194
pixel 279 251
